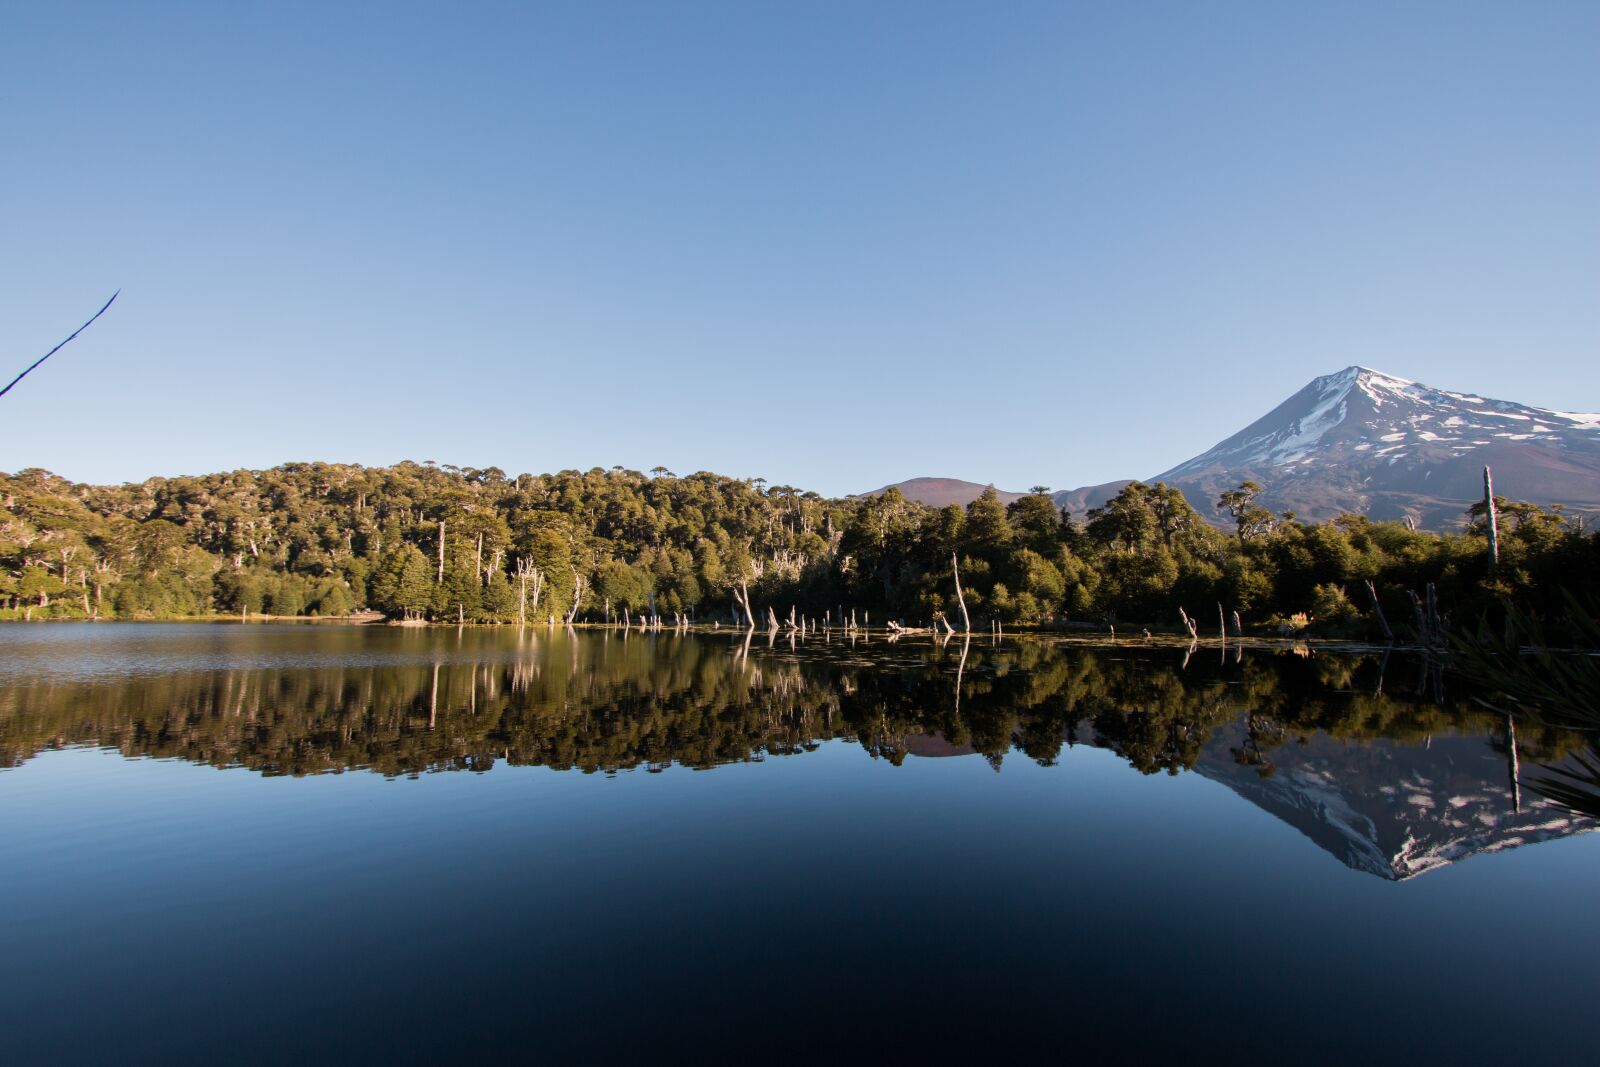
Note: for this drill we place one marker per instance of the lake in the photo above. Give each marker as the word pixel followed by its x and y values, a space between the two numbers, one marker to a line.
pixel 273 842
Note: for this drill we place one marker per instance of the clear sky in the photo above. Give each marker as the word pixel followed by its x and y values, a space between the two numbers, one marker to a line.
pixel 832 245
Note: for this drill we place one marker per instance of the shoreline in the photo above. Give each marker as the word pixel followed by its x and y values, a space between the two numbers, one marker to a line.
pixel 1177 642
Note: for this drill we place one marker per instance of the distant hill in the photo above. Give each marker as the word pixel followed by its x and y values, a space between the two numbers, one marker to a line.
pixel 1079 501
pixel 937 492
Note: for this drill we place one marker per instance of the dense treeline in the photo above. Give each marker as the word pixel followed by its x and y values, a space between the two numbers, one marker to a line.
pixel 425 541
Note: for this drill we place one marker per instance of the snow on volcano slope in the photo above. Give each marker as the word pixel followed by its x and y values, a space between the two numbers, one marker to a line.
pixel 1372 443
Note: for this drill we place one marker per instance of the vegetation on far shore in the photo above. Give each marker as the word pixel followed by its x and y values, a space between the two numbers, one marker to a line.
pixel 319 539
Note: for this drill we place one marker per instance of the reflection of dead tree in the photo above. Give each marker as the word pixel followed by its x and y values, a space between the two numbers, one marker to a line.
pixel 744 650
pixel 60 346
pixel 433 699
pixel 966 643
pixel 1430 675
pixel 1511 745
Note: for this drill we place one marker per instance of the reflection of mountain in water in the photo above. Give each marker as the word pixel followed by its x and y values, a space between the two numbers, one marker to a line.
pixel 1392 783
pixel 1393 810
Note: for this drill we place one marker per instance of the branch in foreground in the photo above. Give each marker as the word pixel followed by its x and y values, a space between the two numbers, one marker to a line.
pixel 60 346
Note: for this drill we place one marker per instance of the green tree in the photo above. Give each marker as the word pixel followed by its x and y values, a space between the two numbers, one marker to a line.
pixel 1249 518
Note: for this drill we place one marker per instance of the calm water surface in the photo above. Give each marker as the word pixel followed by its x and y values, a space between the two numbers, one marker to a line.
pixel 244 844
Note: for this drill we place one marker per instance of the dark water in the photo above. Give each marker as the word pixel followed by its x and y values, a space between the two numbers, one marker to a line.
pixel 225 843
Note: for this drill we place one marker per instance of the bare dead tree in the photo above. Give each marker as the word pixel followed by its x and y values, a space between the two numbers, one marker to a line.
pixel 1492 519
pixel 966 620
pixel 1377 609
pixel 741 597
pixel 527 574
pixel 1188 624
pixel 580 585
pixel 60 346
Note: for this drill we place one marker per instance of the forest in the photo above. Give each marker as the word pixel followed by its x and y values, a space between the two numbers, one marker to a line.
pixel 422 541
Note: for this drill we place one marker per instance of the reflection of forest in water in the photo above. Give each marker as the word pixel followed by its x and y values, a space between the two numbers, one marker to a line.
pixel 608 702
pixel 1378 758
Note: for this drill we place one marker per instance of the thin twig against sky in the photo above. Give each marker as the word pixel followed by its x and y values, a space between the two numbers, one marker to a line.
pixel 60 346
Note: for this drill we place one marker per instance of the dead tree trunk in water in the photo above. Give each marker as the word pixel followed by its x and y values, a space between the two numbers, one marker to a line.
pixel 1491 519
pixel 579 584
pixel 966 620
pixel 1377 609
pixel 1512 765
pixel 741 598
pixel 1421 617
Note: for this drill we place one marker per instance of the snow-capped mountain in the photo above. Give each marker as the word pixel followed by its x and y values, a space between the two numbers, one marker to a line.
pixel 1362 441
pixel 1374 444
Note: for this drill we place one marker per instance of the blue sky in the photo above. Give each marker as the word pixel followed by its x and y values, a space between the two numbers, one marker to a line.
pixel 832 245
